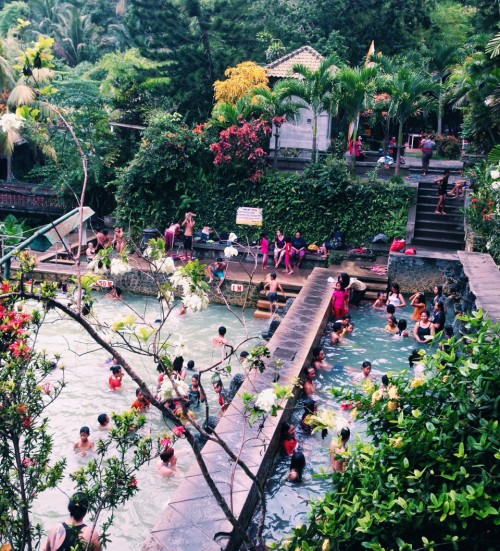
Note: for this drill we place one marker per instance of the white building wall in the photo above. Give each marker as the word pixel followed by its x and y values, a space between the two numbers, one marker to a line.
pixel 300 135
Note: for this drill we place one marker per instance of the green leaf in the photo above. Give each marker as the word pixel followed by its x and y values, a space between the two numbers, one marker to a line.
pixel 430 426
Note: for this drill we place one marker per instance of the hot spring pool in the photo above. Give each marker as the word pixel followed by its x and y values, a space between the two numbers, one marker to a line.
pixel 87 395
pixel 288 503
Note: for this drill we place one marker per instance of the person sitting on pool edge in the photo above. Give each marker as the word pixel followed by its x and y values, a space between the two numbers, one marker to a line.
pixel 104 421
pixel 84 444
pixel 140 402
pixel 288 436
pixel 319 361
pixel 64 536
pixel 219 269
pixel 220 339
pixel 222 392
pixel 297 465
pixel 339 448
pixel 309 386
pixel 167 463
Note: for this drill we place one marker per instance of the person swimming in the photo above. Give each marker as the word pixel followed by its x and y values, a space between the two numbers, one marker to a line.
pixel 84 445
pixel 297 465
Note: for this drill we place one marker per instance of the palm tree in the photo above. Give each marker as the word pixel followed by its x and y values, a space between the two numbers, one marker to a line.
pixel 443 57
pixel 45 12
pixel 278 106
pixel 355 87
pixel 226 114
pixel 314 88
pixel 408 93
pixel 73 33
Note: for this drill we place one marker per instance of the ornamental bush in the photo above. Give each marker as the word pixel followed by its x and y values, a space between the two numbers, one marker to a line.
pixel 448 147
pixel 427 472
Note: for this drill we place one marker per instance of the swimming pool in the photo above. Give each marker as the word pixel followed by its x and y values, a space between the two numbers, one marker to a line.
pixel 87 395
pixel 287 502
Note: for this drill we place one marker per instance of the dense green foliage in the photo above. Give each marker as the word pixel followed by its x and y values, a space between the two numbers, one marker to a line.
pixel 173 172
pixel 430 474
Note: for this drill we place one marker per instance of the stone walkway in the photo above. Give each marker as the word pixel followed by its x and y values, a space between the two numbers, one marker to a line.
pixel 193 520
pixel 484 281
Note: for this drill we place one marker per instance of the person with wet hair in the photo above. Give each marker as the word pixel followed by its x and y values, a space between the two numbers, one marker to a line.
pixel 223 394
pixel 310 408
pixel 365 375
pixel 385 380
pixel 392 325
pixel 395 297
pixel 288 437
pixel 415 361
pixel 64 536
pixel 310 375
pixel 84 445
pixel 319 361
pixel 195 395
pixel 115 379
pixel 104 421
pixel 140 403
pixel 418 302
pixel 178 369
pixel 167 463
pixel 402 332
pixel 439 319
pixel 220 339
pixel 424 329
pixel 297 465
pixel 336 334
pixel 391 310
pixel 338 448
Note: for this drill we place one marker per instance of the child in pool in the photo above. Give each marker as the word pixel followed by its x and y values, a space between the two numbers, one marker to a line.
pixel 347 329
pixel 337 333
pixel 84 445
pixel 392 325
pixel 402 332
pixel 379 303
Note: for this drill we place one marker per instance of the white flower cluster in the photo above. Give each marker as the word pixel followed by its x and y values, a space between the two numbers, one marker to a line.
pixel 118 267
pixel 495 175
pixel 164 265
pixel 230 251
pixel 8 121
pixel 266 400
pixel 178 348
pixel 193 298
pixel 167 389
pixel 94 267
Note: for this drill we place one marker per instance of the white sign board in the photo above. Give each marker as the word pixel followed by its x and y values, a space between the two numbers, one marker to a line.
pixel 236 287
pixel 249 216
pixel 104 283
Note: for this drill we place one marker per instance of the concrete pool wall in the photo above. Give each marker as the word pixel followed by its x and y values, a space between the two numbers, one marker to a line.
pixel 193 520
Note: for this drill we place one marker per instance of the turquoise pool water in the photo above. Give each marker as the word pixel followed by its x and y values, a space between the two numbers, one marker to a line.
pixel 288 503
pixel 87 395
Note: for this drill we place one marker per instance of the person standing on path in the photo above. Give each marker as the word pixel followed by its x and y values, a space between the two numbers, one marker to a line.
pixel 443 190
pixel 428 146
pixel 279 248
pixel 188 234
pixel 170 236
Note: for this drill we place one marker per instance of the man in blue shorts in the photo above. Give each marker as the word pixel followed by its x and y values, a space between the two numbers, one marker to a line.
pixel 272 294
pixel 219 269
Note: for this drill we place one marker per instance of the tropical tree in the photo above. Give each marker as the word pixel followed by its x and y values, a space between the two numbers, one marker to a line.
pixel 242 79
pixel 409 96
pixel 278 107
pixel 315 89
pixel 353 91
pixel 228 114
pixel 73 32
pixel 443 57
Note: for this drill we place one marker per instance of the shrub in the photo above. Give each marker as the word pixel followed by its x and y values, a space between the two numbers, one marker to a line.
pixel 448 147
pixel 428 473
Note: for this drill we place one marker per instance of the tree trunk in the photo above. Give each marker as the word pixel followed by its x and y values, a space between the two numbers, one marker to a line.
pixel 9 168
pixel 276 137
pixel 354 138
pixel 314 153
pixel 26 543
pixel 400 141
pixel 440 107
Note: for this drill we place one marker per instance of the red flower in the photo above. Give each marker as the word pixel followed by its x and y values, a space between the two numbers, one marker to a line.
pixel 166 442
pixel 179 431
pixel 474 200
pixel 20 348
pixel 133 482
pixel 6 287
pixel 27 421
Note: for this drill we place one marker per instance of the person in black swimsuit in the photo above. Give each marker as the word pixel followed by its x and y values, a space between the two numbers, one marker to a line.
pixel 63 536
pixel 443 190
pixel 424 328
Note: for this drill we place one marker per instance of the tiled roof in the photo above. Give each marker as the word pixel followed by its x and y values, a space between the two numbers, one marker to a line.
pixel 283 66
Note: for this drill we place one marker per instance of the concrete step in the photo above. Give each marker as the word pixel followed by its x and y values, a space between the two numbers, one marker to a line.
pixel 438 243
pixel 430 233
pixel 431 207
pixel 440 220
pixel 262 314
pixel 425 196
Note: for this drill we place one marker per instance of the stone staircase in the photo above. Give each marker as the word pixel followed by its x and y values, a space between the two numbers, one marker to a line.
pixel 438 230
pixel 264 306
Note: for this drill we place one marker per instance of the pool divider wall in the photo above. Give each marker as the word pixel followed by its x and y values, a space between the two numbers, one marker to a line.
pixel 193 520
pixel 138 282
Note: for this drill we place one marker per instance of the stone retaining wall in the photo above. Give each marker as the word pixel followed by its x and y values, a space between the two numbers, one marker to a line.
pixel 422 271
pixel 139 282
pixel 193 520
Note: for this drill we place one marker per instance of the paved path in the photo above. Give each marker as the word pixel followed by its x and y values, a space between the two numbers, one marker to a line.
pixel 484 281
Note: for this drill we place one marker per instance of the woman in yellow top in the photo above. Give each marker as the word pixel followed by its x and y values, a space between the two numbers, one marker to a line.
pixel 418 301
pixel 392 325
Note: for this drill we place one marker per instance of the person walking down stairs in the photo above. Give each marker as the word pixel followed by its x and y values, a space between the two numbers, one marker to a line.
pixel 443 190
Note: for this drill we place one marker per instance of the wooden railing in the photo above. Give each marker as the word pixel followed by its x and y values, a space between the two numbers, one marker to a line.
pixel 26 198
